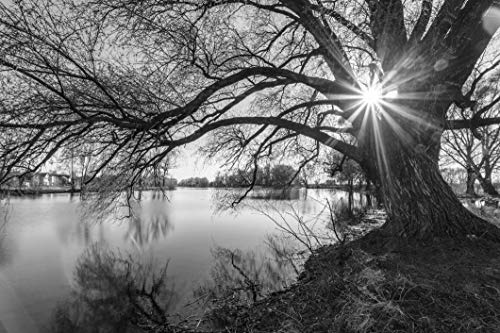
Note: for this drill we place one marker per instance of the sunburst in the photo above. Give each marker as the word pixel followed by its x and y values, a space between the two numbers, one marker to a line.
pixel 372 94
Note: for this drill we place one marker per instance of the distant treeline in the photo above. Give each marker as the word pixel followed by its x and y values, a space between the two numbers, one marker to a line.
pixel 151 182
pixel 143 183
pixel 195 182
pixel 277 176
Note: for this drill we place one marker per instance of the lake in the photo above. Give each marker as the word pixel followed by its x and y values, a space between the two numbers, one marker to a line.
pixel 43 238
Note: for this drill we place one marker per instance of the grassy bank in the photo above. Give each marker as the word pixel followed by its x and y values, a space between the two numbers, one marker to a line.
pixel 441 286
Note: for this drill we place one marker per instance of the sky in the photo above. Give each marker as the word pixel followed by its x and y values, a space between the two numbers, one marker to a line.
pixel 191 164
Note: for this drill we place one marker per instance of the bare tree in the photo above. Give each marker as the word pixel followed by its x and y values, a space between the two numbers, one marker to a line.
pixel 345 170
pixel 477 149
pixel 265 78
pixel 461 147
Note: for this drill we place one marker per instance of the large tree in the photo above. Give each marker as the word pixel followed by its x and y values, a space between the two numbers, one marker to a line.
pixel 138 79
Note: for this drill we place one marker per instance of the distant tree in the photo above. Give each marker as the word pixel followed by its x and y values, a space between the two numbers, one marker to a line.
pixel 283 175
pixel 264 175
pixel 219 181
pixel 462 148
pixel 477 149
pixel 279 175
pixel 169 182
pixel 345 170
pixel 203 182
pixel 195 182
pixel 453 175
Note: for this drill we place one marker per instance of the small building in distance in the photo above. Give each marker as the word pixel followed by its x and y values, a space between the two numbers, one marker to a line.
pixel 39 179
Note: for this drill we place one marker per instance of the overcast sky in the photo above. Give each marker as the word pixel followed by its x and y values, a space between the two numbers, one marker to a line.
pixel 190 164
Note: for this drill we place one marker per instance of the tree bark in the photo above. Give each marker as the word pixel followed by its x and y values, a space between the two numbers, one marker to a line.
pixel 420 204
pixel 418 201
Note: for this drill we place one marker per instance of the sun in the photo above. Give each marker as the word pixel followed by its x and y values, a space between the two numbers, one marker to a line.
pixel 372 94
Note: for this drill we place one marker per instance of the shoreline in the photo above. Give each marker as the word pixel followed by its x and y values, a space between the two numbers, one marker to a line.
pixel 37 191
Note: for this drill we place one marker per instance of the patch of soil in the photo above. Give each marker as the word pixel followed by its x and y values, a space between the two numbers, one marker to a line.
pixel 440 286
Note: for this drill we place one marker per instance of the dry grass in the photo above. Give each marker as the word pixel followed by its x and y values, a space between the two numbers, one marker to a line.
pixel 444 286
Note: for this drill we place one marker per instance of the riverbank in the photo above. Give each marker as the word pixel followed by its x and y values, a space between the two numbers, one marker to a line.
pixel 19 192
pixel 37 191
pixel 439 286
pixel 442 285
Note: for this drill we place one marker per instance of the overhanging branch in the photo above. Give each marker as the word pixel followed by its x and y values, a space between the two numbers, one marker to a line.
pixel 456 124
pixel 305 130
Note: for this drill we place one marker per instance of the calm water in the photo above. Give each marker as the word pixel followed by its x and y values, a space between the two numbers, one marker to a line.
pixel 44 237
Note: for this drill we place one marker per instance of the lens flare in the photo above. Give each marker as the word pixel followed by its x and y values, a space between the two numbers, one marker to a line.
pixel 393 94
pixel 372 95
pixel 491 20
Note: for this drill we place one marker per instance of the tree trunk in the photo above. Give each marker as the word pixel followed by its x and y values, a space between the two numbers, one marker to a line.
pixel 368 195
pixel 487 186
pixel 485 181
pixel 350 196
pixel 471 179
pixel 72 175
pixel 418 201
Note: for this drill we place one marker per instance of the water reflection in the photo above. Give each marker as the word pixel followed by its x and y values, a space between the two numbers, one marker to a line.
pixel 5 250
pixel 4 214
pixel 149 222
pixel 245 276
pixel 287 193
pixel 113 292
pixel 239 278
pixel 48 235
pixel 225 200
pixel 145 215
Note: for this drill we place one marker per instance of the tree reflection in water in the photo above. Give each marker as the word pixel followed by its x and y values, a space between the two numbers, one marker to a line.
pixel 147 221
pixel 116 293
pixel 4 218
pixel 143 230
pixel 246 276
pixel 241 278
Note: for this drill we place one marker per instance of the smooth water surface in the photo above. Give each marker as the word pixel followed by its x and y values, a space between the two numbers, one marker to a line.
pixel 43 238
